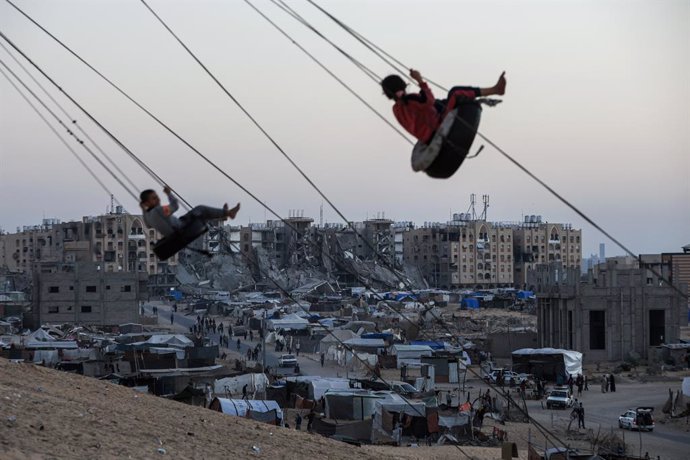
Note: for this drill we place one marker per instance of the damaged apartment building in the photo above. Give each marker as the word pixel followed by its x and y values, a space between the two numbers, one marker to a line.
pixel 619 310
pixel 116 242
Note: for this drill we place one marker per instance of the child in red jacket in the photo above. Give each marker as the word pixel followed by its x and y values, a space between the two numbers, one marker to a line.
pixel 420 114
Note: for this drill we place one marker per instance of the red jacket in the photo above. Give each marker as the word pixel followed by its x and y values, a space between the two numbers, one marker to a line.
pixel 417 114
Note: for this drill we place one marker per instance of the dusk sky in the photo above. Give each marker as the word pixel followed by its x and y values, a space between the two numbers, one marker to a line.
pixel 597 105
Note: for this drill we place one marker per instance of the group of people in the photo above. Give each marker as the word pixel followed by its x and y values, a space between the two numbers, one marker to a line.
pixel 253 353
pixel 580 382
pixel 608 383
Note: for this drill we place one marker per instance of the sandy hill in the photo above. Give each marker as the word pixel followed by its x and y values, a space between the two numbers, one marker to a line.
pixel 50 414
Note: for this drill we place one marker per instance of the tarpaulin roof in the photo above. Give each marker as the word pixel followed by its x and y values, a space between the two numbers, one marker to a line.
pixel 365 343
pixel 571 359
pixel 239 407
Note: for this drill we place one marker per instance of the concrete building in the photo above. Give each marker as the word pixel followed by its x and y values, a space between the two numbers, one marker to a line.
pixel 679 263
pixel 462 253
pixel 116 241
pixel 83 293
pixel 538 242
pixel 619 309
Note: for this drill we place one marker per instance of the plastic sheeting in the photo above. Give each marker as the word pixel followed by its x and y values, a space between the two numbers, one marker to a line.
pixel 572 360
pixel 234 385
pixel 239 407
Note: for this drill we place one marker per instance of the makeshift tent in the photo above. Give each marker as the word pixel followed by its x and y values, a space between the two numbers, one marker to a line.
pixel 350 405
pixel 240 408
pixel 410 354
pixel 549 363
pixel 337 336
pixel 470 303
pixel 525 294
pixel 362 344
pixel 233 385
pixel 291 321
pixel 41 339
pixel 171 340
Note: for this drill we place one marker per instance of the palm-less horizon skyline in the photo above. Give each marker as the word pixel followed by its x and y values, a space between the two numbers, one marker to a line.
pixel 597 105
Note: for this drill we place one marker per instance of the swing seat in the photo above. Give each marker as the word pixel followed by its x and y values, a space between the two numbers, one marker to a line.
pixel 446 151
pixel 170 245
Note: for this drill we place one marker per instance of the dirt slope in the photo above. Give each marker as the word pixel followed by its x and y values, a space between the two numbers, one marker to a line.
pixel 61 415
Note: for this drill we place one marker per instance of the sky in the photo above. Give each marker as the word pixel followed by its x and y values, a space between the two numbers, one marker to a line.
pixel 597 105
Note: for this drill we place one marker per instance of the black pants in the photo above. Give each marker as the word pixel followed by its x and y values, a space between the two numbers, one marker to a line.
pixel 456 95
pixel 203 213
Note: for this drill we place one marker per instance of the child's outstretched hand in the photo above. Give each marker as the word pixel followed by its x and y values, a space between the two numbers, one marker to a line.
pixel 416 76
pixel 167 190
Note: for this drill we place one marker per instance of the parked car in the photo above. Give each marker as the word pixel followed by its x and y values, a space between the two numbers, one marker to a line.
pixel 493 376
pixel 637 419
pixel 405 389
pixel 559 399
pixel 287 361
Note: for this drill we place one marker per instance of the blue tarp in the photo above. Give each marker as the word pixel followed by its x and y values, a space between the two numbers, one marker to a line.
pixel 470 302
pixel 525 294
pixel 430 343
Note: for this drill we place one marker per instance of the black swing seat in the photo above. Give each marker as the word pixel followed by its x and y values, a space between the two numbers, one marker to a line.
pixel 170 245
pixel 446 151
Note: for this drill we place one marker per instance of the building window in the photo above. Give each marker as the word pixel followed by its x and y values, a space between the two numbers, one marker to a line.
pixel 597 330
pixel 54 309
pixel 54 289
pixel 91 289
pixel 126 288
pixel 86 308
pixel 107 288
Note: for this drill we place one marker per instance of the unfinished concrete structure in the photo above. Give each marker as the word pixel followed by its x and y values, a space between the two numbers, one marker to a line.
pixel 619 310
pixel 83 293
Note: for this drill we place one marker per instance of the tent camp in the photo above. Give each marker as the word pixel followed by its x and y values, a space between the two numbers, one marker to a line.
pixel 553 364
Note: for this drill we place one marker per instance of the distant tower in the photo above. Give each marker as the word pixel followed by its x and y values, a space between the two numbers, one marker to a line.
pixel 602 252
pixel 321 216
pixel 471 210
pixel 485 208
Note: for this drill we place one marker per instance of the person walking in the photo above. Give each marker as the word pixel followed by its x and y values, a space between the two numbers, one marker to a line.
pixel 244 391
pixel 297 347
pixel 581 417
pixel 172 318
pixel 323 358
pixel 603 383
pixel 586 383
pixel 449 399
pixel 310 420
pixel 298 422
pixel 608 381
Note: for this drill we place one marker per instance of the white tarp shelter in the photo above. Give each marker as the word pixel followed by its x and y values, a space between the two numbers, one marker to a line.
pixel 291 321
pixel 554 362
pixel 239 407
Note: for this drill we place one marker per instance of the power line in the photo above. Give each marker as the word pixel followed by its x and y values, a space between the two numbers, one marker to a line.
pixel 69 131
pixel 91 117
pixel 74 121
pixel 55 131
pixel 338 79
pixel 387 57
